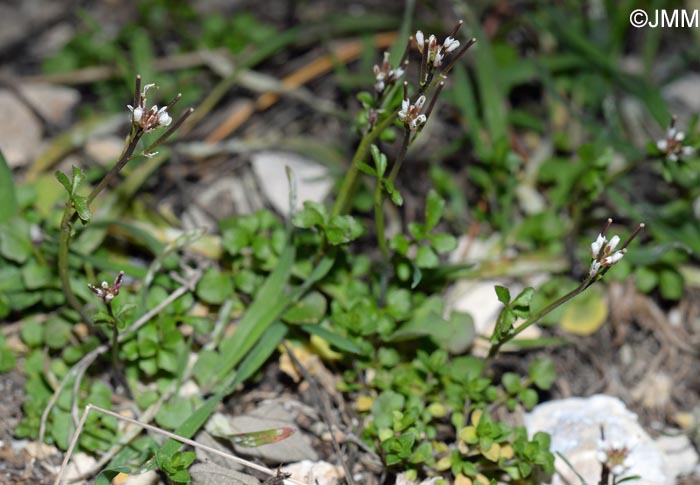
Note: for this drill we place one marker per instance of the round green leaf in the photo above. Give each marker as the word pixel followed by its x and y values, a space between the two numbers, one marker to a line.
pixel 214 287
pixel 671 284
pixel 310 309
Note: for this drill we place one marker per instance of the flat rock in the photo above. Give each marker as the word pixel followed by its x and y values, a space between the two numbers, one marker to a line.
pixel 53 102
pixel 20 130
pixel 574 425
pixel 316 472
pixel 314 181
pixel 270 414
pixel 213 474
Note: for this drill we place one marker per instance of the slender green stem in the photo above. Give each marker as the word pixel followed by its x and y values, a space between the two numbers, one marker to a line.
pixel 402 154
pixel 123 160
pixel 533 319
pixel 115 342
pixel 63 247
pixel 379 222
pixel 342 203
pixel 70 216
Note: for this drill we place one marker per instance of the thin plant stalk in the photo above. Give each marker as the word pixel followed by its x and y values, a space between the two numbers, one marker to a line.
pixel 342 202
pixel 70 216
pixel 533 319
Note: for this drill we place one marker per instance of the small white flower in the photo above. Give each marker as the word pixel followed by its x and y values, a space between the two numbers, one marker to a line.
pixel 410 113
pixel 417 121
pixel 613 258
pixel 595 267
pixel 385 74
pixel 597 245
pixel 164 118
pixel 615 456
pixel 420 40
pixel 672 146
pixel 450 44
pixel 403 113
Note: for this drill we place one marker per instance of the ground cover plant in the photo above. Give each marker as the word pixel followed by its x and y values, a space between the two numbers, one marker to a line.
pixel 486 127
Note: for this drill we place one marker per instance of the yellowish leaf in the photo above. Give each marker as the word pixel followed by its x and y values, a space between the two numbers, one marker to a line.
pixel 586 313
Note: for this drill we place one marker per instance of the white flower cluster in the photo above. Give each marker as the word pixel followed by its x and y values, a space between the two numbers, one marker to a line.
pixel 615 456
pixel 149 118
pixel 410 113
pixel 385 75
pixel 604 254
pixel 106 291
pixel 672 146
pixel 436 53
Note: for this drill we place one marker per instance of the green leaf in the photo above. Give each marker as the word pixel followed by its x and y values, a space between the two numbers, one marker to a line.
pixel 426 257
pixel 7 359
pixel 367 169
pixel 203 368
pixel 417 230
pixel 333 338
pixel 521 304
pixel 434 207
pixel 503 294
pixel 32 333
pixel 379 160
pixel 36 275
pixel 174 412
pixel 167 360
pixel 8 197
pixel 234 239
pixel 383 408
pixel 63 178
pixel 670 284
pixel 15 241
pixel 454 335
pixel 265 309
pixel 442 242
pixel 394 194
pixel 646 279
pixel 511 382
pixel 313 214
pixel 542 373
pixel 214 287
pixel 106 476
pixel 59 332
pixel 81 207
pixel 61 428
pixel 343 229
pixel 310 309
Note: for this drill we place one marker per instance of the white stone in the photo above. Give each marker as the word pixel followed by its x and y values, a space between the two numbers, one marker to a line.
pixel 52 101
pixel 78 465
pixel 148 478
pixel 20 131
pixel 104 150
pixel 574 425
pixel 680 454
pixel 313 179
pixel 316 472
